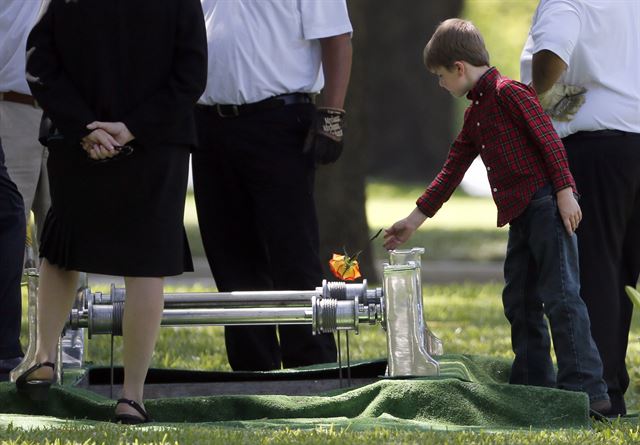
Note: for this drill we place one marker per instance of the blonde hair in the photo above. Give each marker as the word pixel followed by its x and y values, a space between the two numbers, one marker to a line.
pixel 455 40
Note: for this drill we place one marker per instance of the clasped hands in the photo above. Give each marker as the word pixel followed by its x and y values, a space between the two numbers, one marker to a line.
pixel 105 139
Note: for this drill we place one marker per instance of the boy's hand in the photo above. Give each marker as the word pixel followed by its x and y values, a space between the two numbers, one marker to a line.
pixel 402 230
pixel 562 102
pixel 569 209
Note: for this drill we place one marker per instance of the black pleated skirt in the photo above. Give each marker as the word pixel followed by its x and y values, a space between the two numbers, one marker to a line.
pixel 122 217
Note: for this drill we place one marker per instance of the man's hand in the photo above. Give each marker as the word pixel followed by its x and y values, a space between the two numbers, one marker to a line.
pixel 118 130
pixel 402 230
pixel 325 136
pixel 569 209
pixel 562 102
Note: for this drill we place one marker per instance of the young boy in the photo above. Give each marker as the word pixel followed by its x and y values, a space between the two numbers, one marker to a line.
pixel 534 192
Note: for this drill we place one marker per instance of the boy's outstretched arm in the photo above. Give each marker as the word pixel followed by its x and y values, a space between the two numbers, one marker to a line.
pixel 569 209
pixel 402 230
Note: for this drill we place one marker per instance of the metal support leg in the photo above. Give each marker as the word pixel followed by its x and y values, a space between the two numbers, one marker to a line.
pixel 111 370
pixel 348 361
pixel 339 360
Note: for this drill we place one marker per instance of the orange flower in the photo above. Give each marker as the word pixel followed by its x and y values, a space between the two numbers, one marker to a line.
pixel 344 268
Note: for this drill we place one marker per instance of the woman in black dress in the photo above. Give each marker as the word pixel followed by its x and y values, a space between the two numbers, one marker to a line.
pixel 112 73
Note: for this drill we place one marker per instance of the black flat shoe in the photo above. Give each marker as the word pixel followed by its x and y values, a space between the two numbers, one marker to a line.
pixel 130 419
pixel 600 410
pixel 35 389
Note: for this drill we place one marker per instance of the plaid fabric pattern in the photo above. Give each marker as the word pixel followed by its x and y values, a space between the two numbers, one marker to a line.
pixel 522 152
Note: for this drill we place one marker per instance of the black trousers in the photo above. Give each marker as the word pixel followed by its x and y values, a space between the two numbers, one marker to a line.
pixel 606 167
pixel 12 242
pixel 253 189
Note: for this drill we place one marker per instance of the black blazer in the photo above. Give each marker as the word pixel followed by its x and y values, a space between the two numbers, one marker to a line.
pixel 141 62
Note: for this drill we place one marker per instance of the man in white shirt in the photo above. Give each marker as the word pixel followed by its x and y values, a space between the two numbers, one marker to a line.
pixel 254 173
pixel 26 165
pixel 572 45
pixel 20 116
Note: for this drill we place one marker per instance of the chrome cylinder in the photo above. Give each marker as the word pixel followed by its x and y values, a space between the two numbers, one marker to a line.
pixel 238 299
pixel 336 290
pixel 237 316
pixel 329 308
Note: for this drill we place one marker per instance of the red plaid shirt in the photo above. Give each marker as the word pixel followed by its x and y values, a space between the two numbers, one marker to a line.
pixel 522 152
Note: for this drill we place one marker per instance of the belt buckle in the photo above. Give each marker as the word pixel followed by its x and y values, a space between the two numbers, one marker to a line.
pixel 235 112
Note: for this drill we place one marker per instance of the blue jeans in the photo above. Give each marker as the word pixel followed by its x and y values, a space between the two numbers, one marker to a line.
pixel 542 278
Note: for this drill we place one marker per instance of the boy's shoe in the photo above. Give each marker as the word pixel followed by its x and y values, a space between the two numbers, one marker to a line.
pixel 600 409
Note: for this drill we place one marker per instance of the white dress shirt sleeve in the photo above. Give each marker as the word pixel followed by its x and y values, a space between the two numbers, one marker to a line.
pixel 556 28
pixel 324 18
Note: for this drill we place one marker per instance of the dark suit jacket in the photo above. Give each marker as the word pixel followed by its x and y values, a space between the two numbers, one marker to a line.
pixel 141 62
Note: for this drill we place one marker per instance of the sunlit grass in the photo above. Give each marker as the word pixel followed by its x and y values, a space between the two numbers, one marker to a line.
pixel 463 229
pixel 467 317
pixel 387 203
pixel 620 433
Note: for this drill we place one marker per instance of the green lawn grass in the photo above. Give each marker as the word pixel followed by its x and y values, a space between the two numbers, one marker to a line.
pixel 464 229
pixel 386 203
pixel 467 317
pixel 620 433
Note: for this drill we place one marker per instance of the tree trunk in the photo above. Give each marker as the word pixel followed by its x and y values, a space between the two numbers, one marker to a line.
pixel 408 116
pixel 340 187
pixel 398 124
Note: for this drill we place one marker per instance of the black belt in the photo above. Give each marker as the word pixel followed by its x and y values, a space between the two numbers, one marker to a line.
pixel 19 98
pixel 224 110
pixel 598 134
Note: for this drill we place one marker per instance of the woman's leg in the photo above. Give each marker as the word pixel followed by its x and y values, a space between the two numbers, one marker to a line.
pixel 142 314
pixel 56 294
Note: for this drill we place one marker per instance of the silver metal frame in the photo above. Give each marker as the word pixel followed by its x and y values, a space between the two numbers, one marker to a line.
pixel 332 307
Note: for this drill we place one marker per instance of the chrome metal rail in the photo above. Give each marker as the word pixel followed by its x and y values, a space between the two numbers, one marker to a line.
pixel 333 307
